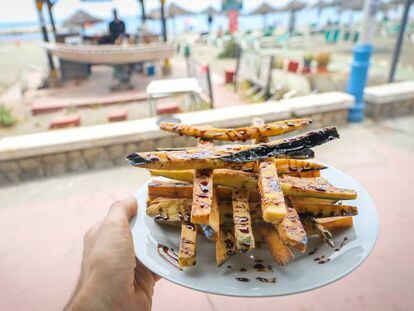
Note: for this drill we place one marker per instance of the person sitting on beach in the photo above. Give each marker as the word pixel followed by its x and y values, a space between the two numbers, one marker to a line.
pixel 116 28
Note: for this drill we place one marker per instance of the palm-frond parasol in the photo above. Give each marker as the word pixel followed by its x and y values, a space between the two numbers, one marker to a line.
pixel 80 19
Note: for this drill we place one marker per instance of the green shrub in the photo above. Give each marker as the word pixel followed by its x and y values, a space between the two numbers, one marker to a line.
pixel 230 50
pixel 6 118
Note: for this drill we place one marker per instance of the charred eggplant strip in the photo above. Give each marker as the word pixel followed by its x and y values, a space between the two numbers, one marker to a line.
pixel 300 155
pixel 306 187
pixel 210 159
pixel 242 223
pixel 225 245
pixel 291 230
pixel 286 146
pixel 187 252
pixel 178 161
pixel 181 160
pixel 241 134
pixel 279 251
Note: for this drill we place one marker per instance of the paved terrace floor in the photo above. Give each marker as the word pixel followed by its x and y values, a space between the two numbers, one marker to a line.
pixel 42 224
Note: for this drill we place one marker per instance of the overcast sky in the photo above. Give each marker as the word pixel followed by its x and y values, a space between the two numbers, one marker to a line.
pixel 24 10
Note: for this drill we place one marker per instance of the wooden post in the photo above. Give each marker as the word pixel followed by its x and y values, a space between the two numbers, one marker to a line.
pixel 53 73
pixel 143 15
pixel 52 19
pixel 163 21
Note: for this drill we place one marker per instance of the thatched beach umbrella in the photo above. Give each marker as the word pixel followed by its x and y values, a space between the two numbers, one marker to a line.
pixel 352 6
pixel 263 10
pixel 210 11
pixel 321 5
pixel 175 10
pixel 172 10
pixel 81 19
pixel 293 7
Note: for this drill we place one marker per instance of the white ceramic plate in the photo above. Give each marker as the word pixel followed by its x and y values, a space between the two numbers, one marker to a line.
pixel 302 275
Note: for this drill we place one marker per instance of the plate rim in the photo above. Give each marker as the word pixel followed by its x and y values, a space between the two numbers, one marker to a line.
pixel 257 294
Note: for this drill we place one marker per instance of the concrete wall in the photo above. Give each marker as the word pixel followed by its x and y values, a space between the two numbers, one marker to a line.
pixel 74 150
pixel 390 100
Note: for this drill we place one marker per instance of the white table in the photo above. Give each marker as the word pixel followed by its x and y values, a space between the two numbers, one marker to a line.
pixel 170 87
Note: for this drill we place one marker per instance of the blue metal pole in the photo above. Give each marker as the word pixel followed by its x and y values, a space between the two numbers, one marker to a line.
pixel 360 64
pixel 358 79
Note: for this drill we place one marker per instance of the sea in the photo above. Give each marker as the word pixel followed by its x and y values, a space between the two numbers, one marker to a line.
pixel 198 23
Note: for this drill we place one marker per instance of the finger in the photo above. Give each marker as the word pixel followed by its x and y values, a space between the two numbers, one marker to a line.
pixel 122 211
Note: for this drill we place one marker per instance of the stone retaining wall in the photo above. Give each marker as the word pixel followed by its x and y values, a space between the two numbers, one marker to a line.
pixel 75 150
pixel 390 100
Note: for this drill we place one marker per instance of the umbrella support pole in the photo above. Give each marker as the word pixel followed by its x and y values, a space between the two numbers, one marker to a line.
pixel 52 79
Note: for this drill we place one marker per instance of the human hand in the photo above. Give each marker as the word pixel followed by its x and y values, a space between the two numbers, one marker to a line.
pixel 111 277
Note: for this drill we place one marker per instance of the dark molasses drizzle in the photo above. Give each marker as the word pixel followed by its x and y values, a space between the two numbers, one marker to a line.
pixel 266 280
pixel 168 255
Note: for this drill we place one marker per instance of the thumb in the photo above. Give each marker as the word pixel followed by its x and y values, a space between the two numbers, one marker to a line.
pixel 122 211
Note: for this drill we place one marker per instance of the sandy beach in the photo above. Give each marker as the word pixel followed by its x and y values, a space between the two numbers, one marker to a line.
pixel 16 59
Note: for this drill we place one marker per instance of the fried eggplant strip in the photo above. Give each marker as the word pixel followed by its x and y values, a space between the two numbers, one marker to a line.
pixel 325 209
pixel 241 134
pixel 324 233
pixel 214 219
pixel 210 159
pixel 273 203
pixel 177 189
pixel 202 196
pixel 279 251
pixel 333 224
pixel 225 245
pixel 272 199
pixel 305 187
pixel 291 230
pixel 174 209
pixel 187 252
pixel 242 223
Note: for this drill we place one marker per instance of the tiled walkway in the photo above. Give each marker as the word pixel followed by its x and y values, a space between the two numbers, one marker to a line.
pixel 42 224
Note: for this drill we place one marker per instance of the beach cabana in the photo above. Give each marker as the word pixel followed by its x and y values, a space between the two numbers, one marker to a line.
pixel 263 9
pixel 81 19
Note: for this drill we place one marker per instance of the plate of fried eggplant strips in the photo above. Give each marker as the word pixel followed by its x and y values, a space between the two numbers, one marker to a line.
pixel 241 215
